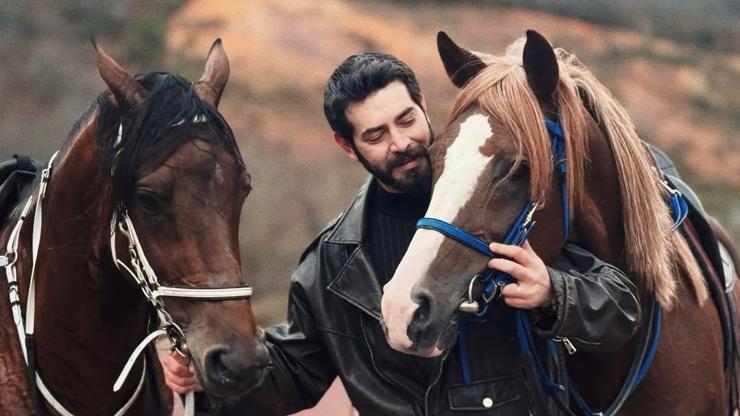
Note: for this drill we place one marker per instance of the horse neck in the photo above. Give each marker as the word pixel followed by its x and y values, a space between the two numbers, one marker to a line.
pixel 88 316
pixel 597 220
pixel 597 226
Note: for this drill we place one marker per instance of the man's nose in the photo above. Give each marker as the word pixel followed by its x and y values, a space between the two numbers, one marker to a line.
pixel 399 142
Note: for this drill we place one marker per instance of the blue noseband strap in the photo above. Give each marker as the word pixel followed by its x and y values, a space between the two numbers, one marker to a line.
pixel 456 234
pixel 515 236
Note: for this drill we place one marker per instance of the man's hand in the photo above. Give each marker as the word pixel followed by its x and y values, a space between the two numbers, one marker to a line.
pixel 532 286
pixel 177 373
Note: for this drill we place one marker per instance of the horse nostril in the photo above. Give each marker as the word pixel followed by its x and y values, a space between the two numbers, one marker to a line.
pixel 235 368
pixel 217 366
pixel 262 358
pixel 421 319
pixel 422 312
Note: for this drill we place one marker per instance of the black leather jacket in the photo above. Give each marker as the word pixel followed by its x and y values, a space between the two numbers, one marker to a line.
pixel 333 329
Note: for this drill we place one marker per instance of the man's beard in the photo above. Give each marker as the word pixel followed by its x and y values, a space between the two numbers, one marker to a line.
pixel 417 181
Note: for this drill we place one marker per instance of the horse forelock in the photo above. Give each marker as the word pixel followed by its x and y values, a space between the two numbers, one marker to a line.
pixel 653 254
pixel 171 115
pixel 501 92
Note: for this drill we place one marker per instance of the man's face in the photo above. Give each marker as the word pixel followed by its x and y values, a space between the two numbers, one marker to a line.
pixel 391 138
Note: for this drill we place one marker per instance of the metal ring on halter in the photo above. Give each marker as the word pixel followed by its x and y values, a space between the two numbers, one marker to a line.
pixel 10 258
pixel 177 339
pixel 470 306
pixel 668 188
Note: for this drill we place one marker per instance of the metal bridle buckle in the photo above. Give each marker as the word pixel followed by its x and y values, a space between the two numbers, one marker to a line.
pixel 470 305
pixel 530 215
pixel 177 339
pixel 668 188
pixel 8 259
pixel 45 175
pixel 496 292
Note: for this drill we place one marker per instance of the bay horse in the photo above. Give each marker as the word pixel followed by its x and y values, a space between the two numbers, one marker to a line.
pixel 140 211
pixel 494 157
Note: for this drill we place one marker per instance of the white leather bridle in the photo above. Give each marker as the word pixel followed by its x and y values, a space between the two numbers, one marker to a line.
pixel 142 273
pixel 145 277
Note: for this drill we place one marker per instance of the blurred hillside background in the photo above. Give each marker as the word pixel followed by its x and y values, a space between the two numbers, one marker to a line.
pixel 675 65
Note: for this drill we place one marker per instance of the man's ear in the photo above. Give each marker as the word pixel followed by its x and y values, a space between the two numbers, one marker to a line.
pixel 346 147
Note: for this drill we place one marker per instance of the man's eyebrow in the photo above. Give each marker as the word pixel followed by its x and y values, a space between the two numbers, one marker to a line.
pixel 372 130
pixel 404 113
pixel 383 127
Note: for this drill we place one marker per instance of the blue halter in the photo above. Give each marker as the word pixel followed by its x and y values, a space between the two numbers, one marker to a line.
pixel 518 232
pixel 493 280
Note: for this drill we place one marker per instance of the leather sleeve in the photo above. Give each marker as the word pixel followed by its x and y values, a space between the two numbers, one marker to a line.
pixel 302 372
pixel 594 305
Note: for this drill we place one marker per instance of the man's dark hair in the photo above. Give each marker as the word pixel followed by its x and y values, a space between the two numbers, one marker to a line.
pixel 357 78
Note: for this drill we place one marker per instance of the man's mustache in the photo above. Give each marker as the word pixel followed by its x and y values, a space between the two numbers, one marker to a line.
pixel 410 154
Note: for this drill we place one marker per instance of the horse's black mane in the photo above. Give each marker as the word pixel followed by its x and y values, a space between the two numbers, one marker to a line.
pixel 171 115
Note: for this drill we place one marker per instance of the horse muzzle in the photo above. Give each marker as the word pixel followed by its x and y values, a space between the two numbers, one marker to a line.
pixel 230 372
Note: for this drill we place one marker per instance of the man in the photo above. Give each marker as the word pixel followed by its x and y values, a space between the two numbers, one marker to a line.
pixel 374 105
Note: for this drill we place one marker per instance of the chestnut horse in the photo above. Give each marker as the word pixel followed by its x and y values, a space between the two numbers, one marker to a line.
pixel 493 159
pixel 140 211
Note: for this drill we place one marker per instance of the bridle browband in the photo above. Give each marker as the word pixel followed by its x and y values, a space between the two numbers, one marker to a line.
pixel 493 281
pixel 138 268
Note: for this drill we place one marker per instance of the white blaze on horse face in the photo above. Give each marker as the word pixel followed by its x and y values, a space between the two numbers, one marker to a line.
pixel 463 166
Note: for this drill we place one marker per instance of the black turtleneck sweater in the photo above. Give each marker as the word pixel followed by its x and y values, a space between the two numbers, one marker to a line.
pixel 391 224
pixel 392 221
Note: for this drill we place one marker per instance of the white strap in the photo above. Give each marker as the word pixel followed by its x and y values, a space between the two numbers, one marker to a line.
pixel 134 239
pixel 37 221
pixel 145 276
pixel 10 274
pixel 54 403
pixel 134 355
pixel 113 224
pixel 189 404
pixel 31 301
pixel 203 293
pixel 134 396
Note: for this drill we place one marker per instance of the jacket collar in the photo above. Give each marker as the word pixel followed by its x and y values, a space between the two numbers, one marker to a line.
pixel 356 282
pixel 351 225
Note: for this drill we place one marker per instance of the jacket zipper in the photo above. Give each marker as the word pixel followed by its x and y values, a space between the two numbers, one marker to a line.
pixel 436 380
pixel 375 367
pixel 566 341
pixel 568 345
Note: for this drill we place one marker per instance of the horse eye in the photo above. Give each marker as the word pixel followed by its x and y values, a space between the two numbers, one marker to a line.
pixel 521 173
pixel 148 201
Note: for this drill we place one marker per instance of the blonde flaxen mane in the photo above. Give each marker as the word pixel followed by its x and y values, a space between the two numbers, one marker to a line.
pixel 654 255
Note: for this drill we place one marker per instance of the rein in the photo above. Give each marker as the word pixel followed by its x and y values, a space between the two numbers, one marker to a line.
pixel 138 268
pixel 494 280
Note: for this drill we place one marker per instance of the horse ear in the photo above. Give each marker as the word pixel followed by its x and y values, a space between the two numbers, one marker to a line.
pixel 540 65
pixel 211 84
pixel 125 88
pixel 461 65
